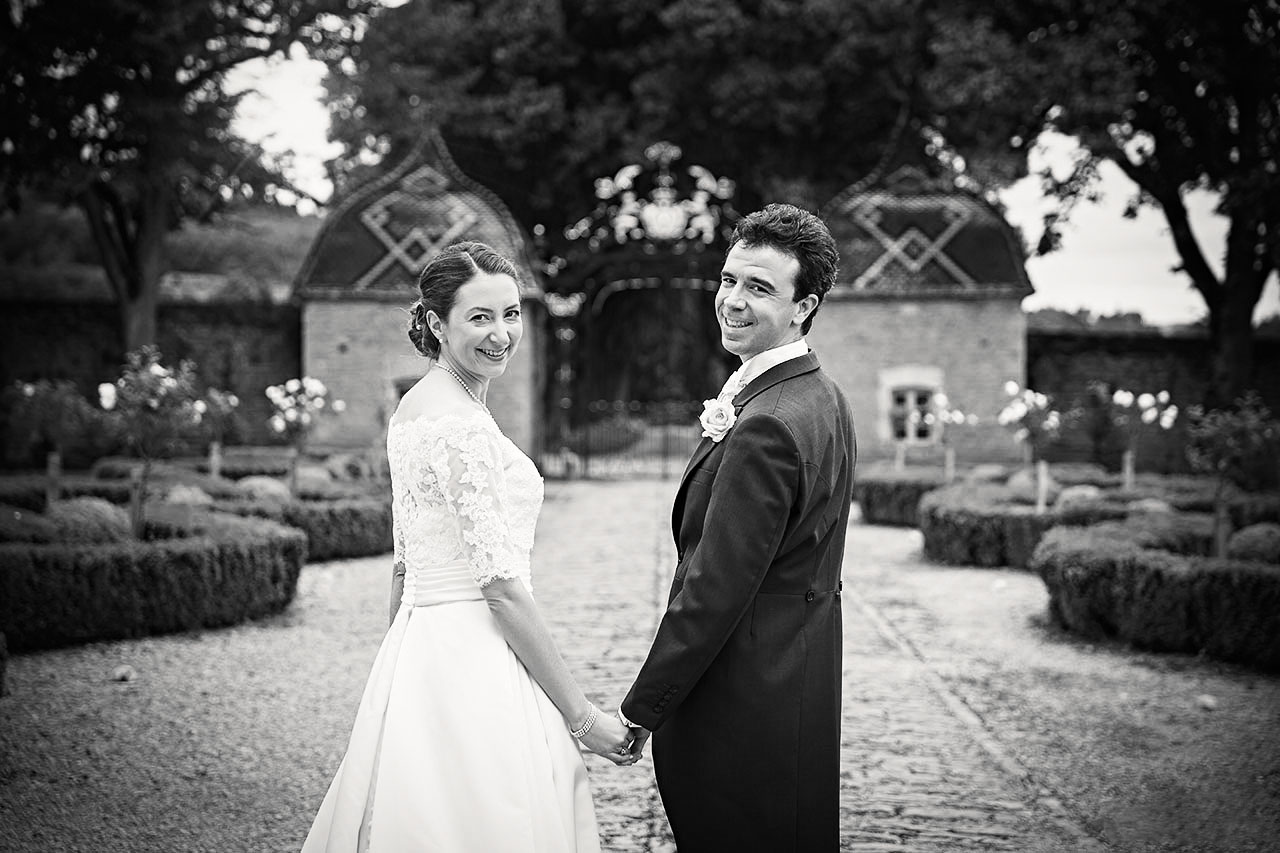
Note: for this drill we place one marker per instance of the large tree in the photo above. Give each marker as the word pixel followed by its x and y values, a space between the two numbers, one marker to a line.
pixel 539 97
pixel 121 107
pixel 1179 96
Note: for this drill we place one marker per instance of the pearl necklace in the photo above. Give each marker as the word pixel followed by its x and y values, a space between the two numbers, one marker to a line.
pixel 465 387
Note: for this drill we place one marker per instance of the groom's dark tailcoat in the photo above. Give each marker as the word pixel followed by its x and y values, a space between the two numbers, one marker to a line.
pixel 742 683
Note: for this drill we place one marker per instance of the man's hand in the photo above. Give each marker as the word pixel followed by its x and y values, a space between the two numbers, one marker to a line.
pixel 641 735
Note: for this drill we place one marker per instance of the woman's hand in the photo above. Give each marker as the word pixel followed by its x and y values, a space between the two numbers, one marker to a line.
pixel 611 739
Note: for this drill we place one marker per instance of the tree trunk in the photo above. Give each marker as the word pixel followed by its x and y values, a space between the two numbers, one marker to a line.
pixel 1042 486
pixel 1231 314
pixel 1231 335
pixel 1127 468
pixel 52 477
pixel 130 242
pixel 138 318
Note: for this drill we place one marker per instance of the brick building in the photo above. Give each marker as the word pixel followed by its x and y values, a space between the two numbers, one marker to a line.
pixel 360 277
pixel 929 300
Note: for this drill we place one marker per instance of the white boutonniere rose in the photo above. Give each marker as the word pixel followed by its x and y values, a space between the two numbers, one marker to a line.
pixel 717 417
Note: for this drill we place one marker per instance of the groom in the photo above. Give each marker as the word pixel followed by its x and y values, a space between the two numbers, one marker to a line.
pixel 741 687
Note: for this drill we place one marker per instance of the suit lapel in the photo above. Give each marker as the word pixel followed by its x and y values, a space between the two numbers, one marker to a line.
pixel 781 373
pixel 790 369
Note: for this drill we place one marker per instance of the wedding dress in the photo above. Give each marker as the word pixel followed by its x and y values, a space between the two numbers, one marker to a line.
pixel 455 748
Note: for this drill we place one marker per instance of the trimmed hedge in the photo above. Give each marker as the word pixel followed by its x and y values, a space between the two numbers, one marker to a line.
pixel 1133 581
pixel 27 490
pixel 223 571
pixel 978 524
pixel 892 497
pixel 335 529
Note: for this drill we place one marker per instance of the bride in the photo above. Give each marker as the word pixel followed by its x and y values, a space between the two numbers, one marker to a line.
pixel 465 736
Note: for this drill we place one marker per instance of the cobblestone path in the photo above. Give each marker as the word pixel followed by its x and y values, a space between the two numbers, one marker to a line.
pixel 919 773
pixel 966 725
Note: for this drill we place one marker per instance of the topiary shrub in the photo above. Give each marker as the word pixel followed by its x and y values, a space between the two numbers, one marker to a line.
pixel 1128 580
pixel 892 497
pixel 981 524
pixel 264 489
pixel 1258 543
pixel 223 570
pixel 18 524
pixel 334 529
pixel 89 520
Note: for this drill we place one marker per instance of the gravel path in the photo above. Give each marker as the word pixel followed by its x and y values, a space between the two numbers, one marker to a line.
pixel 969 723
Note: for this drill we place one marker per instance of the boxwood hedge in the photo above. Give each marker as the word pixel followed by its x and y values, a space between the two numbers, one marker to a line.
pixel 335 529
pixel 892 497
pixel 1146 581
pixel 981 524
pixel 220 571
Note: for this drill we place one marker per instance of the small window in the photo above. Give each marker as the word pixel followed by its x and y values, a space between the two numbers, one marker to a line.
pixel 911 418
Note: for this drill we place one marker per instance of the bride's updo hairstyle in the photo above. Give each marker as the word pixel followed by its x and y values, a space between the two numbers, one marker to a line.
pixel 438 285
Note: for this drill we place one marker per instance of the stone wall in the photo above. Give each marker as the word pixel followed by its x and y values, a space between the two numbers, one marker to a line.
pixel 1063 364
pixel 241 347
pixel 968 349
pixel 361 351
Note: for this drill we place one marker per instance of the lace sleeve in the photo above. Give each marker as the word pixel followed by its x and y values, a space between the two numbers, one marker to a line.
pixel 468 464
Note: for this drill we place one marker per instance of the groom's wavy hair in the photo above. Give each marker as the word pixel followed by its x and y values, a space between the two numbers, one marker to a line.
pixel 801 235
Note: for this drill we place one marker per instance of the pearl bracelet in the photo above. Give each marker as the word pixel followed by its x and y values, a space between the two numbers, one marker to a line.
pixel 592 716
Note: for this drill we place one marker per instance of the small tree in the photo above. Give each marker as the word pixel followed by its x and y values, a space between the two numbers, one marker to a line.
pixel 299 404
pixel 47 416
pixel 157 407
pixel 1034 423
pixel 1135 416
pixel 1234 445
pixel 219 411
pixel 944 416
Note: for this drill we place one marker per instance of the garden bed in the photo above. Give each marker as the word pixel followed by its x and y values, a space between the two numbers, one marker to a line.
pixel 196 569
pixel 982 524
pixel 1147 581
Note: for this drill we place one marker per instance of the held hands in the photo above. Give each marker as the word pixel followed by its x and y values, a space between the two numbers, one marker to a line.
pixel 608 737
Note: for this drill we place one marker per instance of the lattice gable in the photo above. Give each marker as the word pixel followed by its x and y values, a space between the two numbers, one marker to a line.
pixel 376 242
pixel 910 235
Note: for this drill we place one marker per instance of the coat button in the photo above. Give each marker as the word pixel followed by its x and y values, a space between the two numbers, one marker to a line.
pixel 810 595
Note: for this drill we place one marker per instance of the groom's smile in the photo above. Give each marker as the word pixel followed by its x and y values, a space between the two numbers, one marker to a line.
pixel 756 305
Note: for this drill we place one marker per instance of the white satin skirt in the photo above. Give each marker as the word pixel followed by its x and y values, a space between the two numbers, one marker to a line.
pixel 455 748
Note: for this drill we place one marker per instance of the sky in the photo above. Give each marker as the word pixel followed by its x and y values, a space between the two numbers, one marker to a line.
pixel 1107 264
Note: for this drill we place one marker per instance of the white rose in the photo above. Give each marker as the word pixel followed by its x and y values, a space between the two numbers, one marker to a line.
pixel 158 370
pixel 277 423
pixel 1149 415
pixel 1163 397
pixel 107 395
pixel 716 418
pixel 1011 388
pixel 339 406
pixel 293 386
pixel 200 406
pixel 1146 401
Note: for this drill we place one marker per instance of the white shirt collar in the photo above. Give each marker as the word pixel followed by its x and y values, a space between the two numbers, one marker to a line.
pixel 770 358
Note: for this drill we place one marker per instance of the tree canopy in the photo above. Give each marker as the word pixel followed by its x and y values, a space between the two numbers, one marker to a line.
pixel 539 97
pixel 1177 97
pixel 120 107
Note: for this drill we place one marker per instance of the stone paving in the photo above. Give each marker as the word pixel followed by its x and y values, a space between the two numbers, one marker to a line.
pixel 226 740
pixel 919 772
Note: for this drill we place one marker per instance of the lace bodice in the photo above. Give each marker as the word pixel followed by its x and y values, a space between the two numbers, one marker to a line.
pixel 463 494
